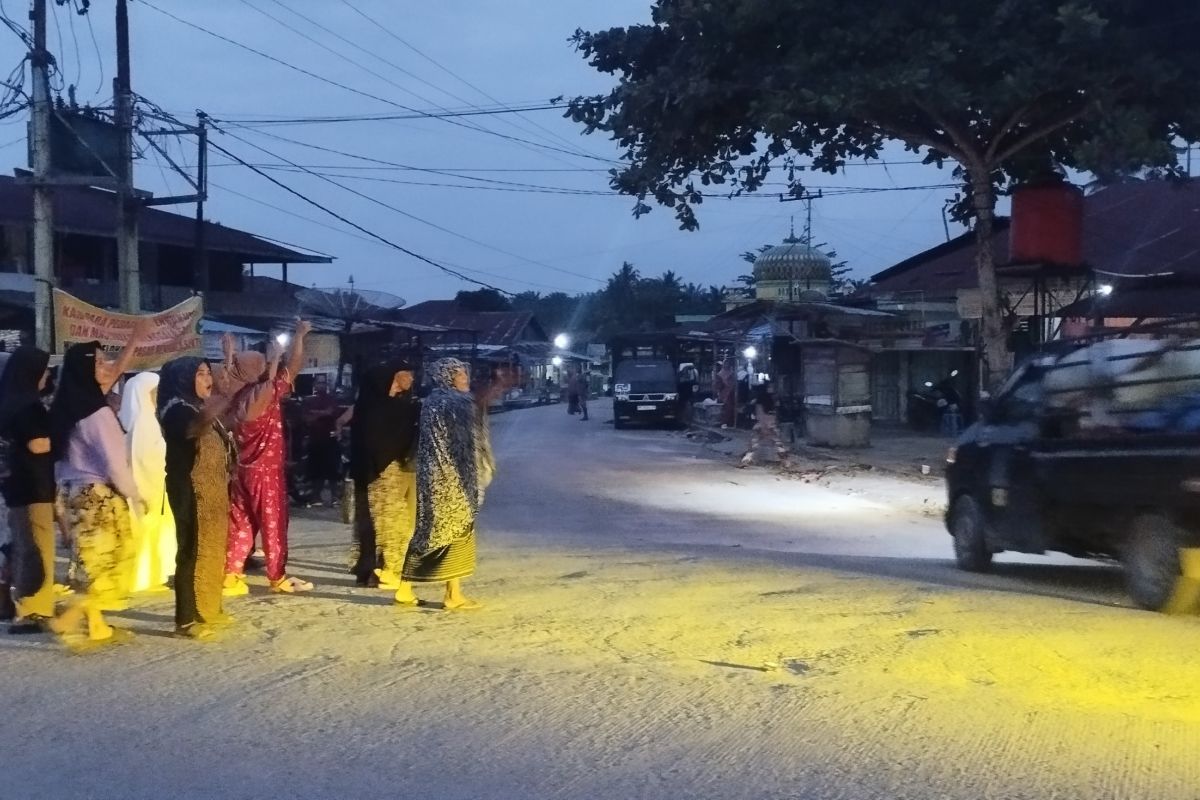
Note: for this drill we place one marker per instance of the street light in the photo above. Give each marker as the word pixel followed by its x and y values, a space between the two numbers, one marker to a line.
pixel 562 341
pixel 750 353
pixel 557 361
pixel 1105 289
pixel 283 339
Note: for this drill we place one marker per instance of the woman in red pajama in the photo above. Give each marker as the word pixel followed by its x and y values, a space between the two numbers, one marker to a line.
pixel 258 498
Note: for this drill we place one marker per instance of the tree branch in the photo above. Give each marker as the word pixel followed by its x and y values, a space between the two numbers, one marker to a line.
pixel 1004 129
pixel 1038 133
pixel 917 137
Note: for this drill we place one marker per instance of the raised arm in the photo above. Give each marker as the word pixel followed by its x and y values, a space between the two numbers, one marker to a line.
pixel 296 356
pixel 139 333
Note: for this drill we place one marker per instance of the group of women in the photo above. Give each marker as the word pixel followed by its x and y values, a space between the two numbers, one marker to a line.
pixel 173 485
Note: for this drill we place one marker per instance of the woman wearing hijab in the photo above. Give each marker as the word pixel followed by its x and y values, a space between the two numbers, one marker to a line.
pixel 382 460
pixel 153 531
pixel 198 460
pixel 29 489
pixel 98 484
pixel 454 468
pixel 258 494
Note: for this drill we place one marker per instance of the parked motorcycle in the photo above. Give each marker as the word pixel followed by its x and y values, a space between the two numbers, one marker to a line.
pixel 928 405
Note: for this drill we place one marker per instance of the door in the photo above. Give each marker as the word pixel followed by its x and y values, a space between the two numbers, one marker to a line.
pixel 1013 501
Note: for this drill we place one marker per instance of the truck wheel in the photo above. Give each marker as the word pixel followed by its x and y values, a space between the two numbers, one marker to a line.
pixel 968 527
pixel 1151 561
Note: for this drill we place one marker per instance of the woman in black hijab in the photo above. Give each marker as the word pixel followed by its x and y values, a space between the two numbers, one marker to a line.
pixel 382 445
pixel 199 456
pixel 29 489
pixel 93 468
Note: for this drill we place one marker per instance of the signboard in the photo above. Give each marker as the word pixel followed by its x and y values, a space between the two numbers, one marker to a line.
pixel 175 332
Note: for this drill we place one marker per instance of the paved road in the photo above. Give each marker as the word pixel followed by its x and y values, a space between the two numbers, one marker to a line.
pixel 657 624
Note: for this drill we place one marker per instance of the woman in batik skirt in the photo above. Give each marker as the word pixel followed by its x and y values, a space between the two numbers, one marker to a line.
pixel 454 468
pixel 198 462
pixel 97 481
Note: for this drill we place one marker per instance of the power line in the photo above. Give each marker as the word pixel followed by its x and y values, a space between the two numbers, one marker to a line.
pixel 368 70
pixel 383 162
pixel 442 114
pixel 410 215
pixel 414 76
pixel 355 225
pixel 360 237
pixel 436 63
pixel 347 88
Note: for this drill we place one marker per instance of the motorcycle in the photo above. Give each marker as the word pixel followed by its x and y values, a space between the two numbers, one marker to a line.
pixel 929 405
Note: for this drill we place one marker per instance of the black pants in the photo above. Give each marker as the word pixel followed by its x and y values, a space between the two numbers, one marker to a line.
pixel 364 533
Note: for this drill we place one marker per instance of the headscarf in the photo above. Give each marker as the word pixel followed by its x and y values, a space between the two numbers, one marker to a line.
pixel 177 384
pixel 147 449
pixel 79 395
pixel 443 372
pixel 374 443
pixel 19 383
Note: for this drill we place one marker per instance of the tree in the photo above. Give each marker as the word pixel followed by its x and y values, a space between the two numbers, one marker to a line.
pixel 483 300
pixel 716 92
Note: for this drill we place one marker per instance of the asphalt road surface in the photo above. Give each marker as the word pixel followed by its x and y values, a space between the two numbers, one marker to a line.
pixel 657 624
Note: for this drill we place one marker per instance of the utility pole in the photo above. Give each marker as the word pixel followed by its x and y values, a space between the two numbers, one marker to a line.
pixel 129 282
pixel 43 201
pixel 201 263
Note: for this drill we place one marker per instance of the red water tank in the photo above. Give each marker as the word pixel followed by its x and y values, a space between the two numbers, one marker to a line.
pixel 1047 225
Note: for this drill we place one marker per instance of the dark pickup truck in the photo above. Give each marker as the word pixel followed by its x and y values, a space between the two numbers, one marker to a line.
pixel 1094 452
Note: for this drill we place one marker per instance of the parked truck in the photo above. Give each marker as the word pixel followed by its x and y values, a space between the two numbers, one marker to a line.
pixel 1092 450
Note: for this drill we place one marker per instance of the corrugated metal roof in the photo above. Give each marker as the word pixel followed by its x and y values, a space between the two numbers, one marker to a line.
pixel 92 212
pixel 1133 228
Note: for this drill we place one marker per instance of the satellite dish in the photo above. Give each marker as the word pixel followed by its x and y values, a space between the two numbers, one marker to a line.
pixel 348 306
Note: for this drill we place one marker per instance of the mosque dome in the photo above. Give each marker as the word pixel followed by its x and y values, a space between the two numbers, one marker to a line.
pixel 794 261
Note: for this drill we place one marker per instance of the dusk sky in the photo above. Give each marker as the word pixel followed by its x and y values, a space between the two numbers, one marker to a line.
pixel 522 237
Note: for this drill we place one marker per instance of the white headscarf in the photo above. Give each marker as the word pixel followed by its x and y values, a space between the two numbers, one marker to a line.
pixel 147 449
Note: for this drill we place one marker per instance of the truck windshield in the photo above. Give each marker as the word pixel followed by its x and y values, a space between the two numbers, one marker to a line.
pixel 646 375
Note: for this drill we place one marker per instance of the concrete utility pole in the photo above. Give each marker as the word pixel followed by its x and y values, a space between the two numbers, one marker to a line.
pixel 202 281
pixel 43 201
pixel 129 282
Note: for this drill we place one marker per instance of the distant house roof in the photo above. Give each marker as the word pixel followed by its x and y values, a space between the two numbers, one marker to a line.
pixel 92 212
pixel 504 328
pixel 1133 228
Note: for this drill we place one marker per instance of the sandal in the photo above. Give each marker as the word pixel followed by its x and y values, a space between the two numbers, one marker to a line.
pixel 291 586
pixel 465 605
pixel 235 586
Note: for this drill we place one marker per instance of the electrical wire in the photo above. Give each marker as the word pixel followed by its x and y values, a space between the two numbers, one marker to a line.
pixel 410 215
pixel 75 43
pixel 99 57
pixel 339 84
pixel 437 64
pixel 418 78
pixel 374 73
pixel 361 238
pixel 356 226
pixel 441 114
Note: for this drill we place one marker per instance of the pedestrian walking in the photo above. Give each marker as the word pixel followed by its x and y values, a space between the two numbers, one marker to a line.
pixel 765 427
pixel 153 531
pixel 198 461
pixel 98 486
pixel 454 468
pixel 29 488
pixel 582 387
pixel 383 443
pixel 258 494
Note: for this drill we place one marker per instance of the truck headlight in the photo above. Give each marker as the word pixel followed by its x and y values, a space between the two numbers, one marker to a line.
pixel 671 396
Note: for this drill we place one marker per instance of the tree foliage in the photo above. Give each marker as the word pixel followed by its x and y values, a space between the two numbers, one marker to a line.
pixel 628 302
pixel 721 92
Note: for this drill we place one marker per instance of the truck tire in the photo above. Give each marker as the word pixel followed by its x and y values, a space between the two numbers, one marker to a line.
pixel 1151 561
pixel 969 529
